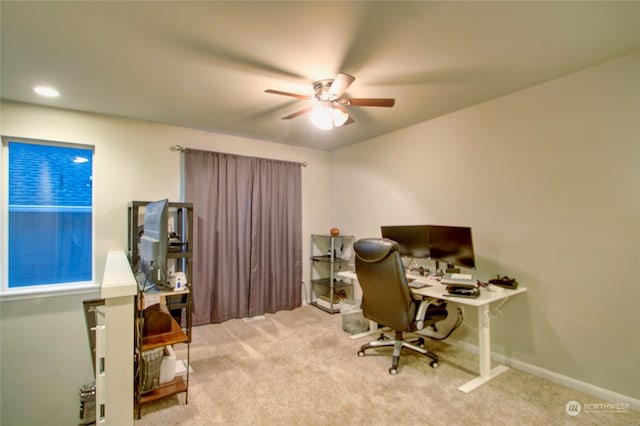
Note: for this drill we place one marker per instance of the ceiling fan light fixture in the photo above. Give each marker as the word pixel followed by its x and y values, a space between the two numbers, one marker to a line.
pixel 321 117
pixel 327 108
pixel 327 117
pixel 339 116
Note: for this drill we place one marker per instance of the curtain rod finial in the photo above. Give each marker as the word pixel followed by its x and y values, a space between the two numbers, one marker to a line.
pixel 177 148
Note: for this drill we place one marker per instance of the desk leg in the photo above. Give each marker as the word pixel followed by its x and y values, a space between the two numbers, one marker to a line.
pixel 484 343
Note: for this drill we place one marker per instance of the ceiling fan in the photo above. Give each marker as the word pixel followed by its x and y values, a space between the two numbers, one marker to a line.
pixel 328 108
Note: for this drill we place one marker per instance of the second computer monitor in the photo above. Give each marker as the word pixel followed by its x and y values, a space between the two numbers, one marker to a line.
pixel 452 245
pixel 412 239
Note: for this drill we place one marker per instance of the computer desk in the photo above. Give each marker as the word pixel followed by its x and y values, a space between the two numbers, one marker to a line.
pixel 482 302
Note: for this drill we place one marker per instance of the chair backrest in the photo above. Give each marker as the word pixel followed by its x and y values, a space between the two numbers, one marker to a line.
pixel 386 297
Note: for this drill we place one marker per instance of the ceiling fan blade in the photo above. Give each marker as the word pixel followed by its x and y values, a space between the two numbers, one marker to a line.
pixel 297 113
pixel 349 121
pixel 340 84
pixel 293 95
pixel 373 102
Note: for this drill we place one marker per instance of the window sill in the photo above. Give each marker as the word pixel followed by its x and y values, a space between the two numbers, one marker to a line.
pixel 46 291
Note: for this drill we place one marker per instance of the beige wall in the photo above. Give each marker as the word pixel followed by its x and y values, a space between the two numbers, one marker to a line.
pixel 549 180
pixel 44 348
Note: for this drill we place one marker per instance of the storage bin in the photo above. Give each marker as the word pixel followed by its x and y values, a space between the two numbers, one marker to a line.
pixel 342 292
pixel 353 322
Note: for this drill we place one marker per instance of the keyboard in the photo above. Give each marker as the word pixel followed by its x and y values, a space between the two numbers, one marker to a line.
pixel 459 279
pixel 418 284
pixel 461 276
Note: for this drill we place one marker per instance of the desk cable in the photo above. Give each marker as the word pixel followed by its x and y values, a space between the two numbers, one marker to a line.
pixel 454 328
pixel 492 314
pixel 140 272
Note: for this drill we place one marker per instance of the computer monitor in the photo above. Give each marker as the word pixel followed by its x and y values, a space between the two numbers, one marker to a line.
pixel 452 245
pixel 154 243
pixel 412 239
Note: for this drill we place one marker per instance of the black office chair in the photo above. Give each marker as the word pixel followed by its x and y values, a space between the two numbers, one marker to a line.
pixel 387 298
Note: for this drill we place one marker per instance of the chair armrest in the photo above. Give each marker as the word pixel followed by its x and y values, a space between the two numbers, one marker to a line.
pixel 422 312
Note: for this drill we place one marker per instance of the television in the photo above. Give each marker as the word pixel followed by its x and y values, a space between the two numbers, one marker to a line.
pixel 154 243
pixel 452 245
pixel 412 239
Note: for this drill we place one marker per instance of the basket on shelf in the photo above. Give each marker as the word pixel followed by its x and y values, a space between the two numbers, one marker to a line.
pixel 150 363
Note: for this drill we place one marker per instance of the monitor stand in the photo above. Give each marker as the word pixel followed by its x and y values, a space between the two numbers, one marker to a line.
pixel 449 269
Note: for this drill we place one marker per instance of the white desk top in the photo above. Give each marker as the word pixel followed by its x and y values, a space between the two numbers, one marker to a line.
pixel 439 291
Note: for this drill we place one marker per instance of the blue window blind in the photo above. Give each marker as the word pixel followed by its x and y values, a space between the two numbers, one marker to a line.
pixel 50 214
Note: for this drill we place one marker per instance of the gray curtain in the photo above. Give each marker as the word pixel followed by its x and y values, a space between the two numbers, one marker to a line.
pixel 247 254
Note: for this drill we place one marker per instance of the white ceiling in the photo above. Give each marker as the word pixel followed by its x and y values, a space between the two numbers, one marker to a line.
pixel 205 65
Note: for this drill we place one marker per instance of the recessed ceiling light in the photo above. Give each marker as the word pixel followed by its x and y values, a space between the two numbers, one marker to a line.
pixel 49 92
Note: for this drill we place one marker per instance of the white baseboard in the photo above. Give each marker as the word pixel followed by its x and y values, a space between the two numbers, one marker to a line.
pixel 596 391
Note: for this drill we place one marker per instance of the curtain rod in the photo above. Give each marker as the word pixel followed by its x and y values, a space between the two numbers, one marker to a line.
pixel 181 148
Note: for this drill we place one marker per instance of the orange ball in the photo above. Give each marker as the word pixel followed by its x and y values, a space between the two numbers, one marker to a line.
pixel 335 231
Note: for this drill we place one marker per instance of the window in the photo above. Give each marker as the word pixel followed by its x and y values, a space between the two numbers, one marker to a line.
pixel 49 226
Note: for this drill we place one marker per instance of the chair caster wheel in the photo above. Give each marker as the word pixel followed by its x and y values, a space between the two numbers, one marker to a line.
pixel 360 354
pixel 434 364
pixel 393 371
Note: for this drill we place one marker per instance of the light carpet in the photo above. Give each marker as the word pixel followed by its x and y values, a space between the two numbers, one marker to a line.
pixel 300 368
